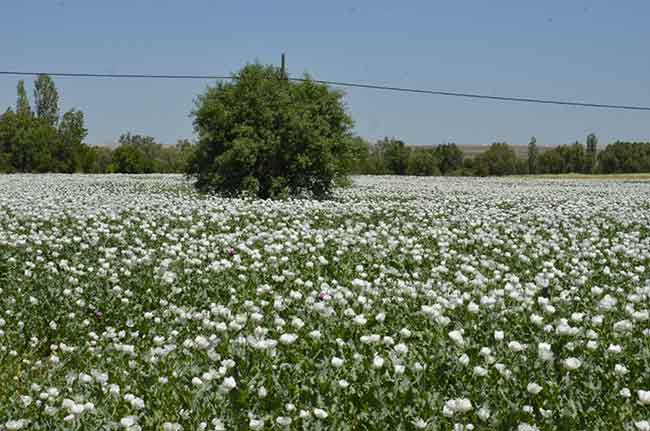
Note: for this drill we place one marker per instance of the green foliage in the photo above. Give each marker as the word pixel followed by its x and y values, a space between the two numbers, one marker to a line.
pixel 128 159
pixel 625 157
pixel 8 139
pixel 522 166
pixel 395 155
pixel 268 136
pixel 499 159
pixel 73 133
pixel 33 147
pixel 22 102
pixel 98 160
pixel 564 159
pixel 359 155
pixel 450 157
pixel 30 143
pixel 138 154
pixel 533 154
pixel 390 156
pixel 46 99
pixel 40 143
pixel 422 162
pixel 550 162
pixel 135 154
pixel 183 154
pixel 575 157
pixel 591 153
pixel 375 164
pixel 592 143
pixel 387 155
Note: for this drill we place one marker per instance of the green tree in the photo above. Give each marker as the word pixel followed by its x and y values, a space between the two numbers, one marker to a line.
pixel 46 100
pixel 359 156
pixel 8 140
pixel 24 120
pixel 73 132
pixel 550 162
pixel 590 157
pixel 575 157
pixel 471 167
pixel 137 154
pixel 128 159
pixel 450 157
pixel 185 149
pixel 499 159
pixel 422 162
pixel 174 158
pixel 22 102
pixel 33 147
pixel 269 136
pixel 563 159
pixel 39 143
pixel 533 153
pixel 97 160
pixel 625 157
pixel 395 155
pixel 522 166
pixel 375 164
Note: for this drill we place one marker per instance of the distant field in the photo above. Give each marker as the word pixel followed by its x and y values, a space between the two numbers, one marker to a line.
pixel 474 150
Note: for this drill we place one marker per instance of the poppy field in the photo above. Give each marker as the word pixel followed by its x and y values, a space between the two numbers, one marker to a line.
pixel 134 303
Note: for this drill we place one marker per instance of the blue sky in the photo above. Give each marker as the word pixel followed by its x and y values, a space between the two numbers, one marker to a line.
pixel 593 51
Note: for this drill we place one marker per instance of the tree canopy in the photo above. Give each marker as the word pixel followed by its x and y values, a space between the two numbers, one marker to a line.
pixel 499 159
pixel 40 141
pixel 46 100
pixel 625 157
pixel 270 137
pixel 533 154
pixel 422 162
pixel 449 156
pixel 22 102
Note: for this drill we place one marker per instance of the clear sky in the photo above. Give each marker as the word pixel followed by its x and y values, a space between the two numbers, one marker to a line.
pixel 592 51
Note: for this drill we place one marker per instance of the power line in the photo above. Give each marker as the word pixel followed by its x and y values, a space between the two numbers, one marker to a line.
pixel 114 75
pixel 482 96
pixel 348 84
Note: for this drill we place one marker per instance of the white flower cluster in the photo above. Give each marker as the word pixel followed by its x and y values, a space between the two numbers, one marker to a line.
pixel 134 303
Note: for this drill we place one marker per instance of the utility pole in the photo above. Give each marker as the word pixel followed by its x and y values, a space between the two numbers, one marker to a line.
pixel 283 68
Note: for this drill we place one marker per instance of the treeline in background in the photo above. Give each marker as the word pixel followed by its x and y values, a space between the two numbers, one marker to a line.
pixel 394 157
pixel 37 138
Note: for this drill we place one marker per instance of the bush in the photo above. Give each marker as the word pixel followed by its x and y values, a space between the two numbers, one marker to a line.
pixel 270 137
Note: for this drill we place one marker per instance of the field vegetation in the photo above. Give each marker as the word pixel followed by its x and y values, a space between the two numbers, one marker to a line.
pixel 135 303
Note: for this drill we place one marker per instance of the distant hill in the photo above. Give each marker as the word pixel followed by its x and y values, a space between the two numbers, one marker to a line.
pixel 471 151
pixel 521 150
